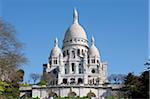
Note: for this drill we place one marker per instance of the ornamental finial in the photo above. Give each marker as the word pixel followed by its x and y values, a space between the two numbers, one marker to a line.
pixel 56 42
pixel 92 41
pixel 75 16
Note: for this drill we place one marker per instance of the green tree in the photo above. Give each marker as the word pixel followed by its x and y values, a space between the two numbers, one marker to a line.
pixel 137 86
pixel 35 77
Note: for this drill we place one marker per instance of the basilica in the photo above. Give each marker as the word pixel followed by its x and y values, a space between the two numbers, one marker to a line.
pixel 78 62
pixel 75 69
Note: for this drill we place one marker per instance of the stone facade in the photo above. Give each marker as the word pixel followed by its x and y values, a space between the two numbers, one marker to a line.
pixel 76 63
pixel 76 68
pixel 64 91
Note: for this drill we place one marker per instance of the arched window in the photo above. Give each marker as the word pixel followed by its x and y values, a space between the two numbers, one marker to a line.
pixel 73 67
pixel 55 61
pixel 67 52
pixel 78 51
pixel 80 80
pixel 80 69
pixel 93 60
pixel 97 61
pixel 72 80
pixel 64 81
pixel 82 52
pixel 73 54
pixel 65 70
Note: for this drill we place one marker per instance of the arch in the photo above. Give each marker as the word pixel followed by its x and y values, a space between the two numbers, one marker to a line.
pixel 73 67
pixel 52 94
pixel 80 80
pixel 72 94
pixel 91 94
pixel 82 52
pixel 97 61
pixel 78 51
pixel 72 80
pixel 64 81
pixel 67 52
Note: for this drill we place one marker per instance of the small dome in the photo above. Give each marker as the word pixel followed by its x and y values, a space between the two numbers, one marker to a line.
pixel 93 51
pixel 56 51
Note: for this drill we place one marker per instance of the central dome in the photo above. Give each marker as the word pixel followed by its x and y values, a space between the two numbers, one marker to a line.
pixel 75 34
pixel 75 31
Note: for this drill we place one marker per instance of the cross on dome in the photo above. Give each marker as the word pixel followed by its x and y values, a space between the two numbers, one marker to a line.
pixel 56 42
pixel 92 41
pixel 75 16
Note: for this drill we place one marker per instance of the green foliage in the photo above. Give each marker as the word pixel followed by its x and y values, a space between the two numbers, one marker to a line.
pixel 71 98
pixel 36 98
pixel 113 97
pixel 10 89
pixel 137 86
pixel 19 75
pixel 24 85
pixel 42 82
pixel 3 86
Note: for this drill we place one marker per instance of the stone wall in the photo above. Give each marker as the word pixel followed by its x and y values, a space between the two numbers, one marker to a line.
pixel 64 91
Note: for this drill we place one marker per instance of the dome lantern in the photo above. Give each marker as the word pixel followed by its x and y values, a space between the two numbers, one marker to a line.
pixel 56 42
pixel 92 41
pixel 75 16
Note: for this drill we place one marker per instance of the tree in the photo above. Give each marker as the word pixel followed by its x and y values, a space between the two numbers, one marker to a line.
pixel 116 78
pixel 11 58
pixel 47 78
pixel 10 52
pixel 144 79
pixel 35 77
pixel 18 76
pixel 11 89
pixel 147 64
pixel 137 86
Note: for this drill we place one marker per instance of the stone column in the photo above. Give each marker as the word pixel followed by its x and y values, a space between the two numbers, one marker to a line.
pixel 77 69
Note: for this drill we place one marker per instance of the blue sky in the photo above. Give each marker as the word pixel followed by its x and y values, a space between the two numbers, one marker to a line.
pixel 120 28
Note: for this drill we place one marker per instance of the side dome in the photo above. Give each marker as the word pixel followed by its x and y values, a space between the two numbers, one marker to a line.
pixel 93 51
pixel 56 51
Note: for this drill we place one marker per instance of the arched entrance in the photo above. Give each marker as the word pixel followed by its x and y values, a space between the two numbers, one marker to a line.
pixel 64 81
pixel 91 94
pixel 80 80
pixel 72 81
pixel 72 94
pixel 52 94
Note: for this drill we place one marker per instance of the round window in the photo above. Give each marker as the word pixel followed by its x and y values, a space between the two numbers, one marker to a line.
pixel 93 70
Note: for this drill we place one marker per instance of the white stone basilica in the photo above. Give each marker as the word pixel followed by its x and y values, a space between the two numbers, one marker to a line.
pixel 76 69
pixel 77 62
